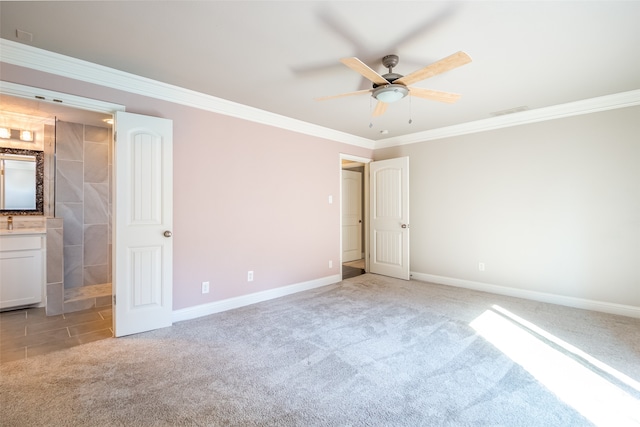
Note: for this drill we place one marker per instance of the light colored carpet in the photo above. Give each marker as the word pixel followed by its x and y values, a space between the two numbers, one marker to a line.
pixel 369 351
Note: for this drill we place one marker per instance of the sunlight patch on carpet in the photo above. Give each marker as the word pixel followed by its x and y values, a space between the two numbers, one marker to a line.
pixel 579 384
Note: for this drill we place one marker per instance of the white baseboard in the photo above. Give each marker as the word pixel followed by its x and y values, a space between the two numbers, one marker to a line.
pixel 244 300
pixel 586 304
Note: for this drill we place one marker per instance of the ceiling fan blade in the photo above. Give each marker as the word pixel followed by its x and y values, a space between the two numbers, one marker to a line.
pixel 449 63
pixel 360 67
pixel 381 107
pixel 434 95
pixel 358 92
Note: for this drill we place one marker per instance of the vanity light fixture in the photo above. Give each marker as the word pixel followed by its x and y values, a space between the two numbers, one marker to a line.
pixel 26 135
pixel 21 134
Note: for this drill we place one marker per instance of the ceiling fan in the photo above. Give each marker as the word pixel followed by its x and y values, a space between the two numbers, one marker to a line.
pixel 392 87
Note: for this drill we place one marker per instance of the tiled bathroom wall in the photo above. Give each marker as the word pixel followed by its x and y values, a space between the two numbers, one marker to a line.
pixel 55 267
pixel 83 177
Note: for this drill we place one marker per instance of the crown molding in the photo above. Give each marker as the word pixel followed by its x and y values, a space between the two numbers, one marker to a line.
pixel 49 62
pixel 586 106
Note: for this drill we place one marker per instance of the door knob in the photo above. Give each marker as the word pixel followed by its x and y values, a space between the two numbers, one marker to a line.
pixel 405 226
pixel 167 233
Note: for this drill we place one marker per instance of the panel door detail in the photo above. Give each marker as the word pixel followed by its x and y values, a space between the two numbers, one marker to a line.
pixel 143 222
pixel 390 218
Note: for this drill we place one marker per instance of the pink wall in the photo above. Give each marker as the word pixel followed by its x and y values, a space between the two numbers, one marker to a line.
pixel 246 196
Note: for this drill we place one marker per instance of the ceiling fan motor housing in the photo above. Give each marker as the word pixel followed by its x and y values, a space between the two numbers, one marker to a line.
pixel 390 77
pixel 390 61
pixel 390 92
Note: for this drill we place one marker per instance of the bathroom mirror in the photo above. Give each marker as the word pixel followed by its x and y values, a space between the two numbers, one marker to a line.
pixel 21 182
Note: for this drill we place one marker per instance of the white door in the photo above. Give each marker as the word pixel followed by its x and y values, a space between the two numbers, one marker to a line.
pixel 389 181
pixel 143 218
pixel 351 215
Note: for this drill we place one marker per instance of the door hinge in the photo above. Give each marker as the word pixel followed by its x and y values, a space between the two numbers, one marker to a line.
pixel 114 300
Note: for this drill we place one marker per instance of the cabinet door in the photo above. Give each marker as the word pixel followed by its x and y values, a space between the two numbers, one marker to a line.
pixel 20 278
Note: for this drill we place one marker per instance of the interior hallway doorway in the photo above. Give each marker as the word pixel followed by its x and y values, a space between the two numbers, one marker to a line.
pixel 353 211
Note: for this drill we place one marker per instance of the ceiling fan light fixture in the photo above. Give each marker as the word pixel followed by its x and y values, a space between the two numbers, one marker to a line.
pixel 390 93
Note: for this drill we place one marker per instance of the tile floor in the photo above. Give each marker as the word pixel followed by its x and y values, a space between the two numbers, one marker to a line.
pixel 30 332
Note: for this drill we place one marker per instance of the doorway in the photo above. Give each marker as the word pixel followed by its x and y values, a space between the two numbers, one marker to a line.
pixel 385 219
pixel 145 144
pixel 78 146
pixel 353 214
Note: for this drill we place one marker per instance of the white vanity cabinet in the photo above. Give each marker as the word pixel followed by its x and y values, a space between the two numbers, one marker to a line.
pixel 22 268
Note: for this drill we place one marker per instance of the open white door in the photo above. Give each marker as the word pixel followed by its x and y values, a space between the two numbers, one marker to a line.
pixel 390 218
pixel 143 218
pixel 351 215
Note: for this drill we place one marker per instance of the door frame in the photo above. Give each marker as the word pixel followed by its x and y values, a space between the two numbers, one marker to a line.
pixel 59 99
pixel 352 172
pixel 365 198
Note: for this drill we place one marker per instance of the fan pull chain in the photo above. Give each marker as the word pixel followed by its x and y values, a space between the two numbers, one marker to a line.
pixel 410 110
pixel 370 112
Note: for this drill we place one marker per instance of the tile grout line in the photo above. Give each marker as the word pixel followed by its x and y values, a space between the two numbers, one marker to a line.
pixel 27 350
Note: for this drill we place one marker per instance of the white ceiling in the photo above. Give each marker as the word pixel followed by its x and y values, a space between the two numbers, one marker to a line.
pixel 280 55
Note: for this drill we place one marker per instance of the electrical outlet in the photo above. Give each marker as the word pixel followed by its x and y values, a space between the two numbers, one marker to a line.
pixel 250 276
pixel 481 266
pixel 205 287
pixel 330 264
